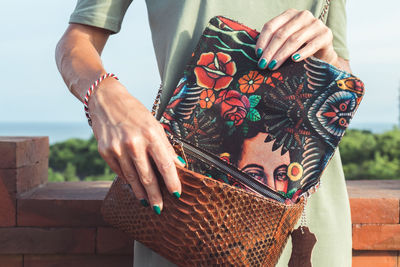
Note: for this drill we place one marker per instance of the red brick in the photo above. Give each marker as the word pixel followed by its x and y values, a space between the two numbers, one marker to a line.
pixel 24 240
pixel 113 241
pixel 11 261
pixel 370 210
pixel 7 204
pixel 20 180
pixel 22 151
pixel 50 213
pixel 63 204
pixel 373 188
pixel 376 236
pixel 374 259
pixel 78 260
pixel 70 191
pixel 32 176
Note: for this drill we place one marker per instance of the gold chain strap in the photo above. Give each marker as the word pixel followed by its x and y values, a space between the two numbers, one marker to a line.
pixel 324 10
pixel 157 100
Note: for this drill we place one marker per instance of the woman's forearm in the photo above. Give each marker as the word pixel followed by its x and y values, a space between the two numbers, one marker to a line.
pixel 78 57
pixel 129 138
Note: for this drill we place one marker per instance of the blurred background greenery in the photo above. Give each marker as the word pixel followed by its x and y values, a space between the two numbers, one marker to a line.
pixel 365 155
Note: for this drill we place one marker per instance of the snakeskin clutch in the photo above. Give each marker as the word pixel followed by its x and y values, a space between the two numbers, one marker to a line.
pixel 256 142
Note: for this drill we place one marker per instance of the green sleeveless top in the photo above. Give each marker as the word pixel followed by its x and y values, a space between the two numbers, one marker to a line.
pixel 176 26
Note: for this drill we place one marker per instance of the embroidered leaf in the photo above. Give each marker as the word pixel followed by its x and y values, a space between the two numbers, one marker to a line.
pixel 253 115
pixel 254 100
pixel 245 128
pixel 229 123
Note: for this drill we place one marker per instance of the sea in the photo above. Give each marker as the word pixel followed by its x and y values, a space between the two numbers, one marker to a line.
pixel 61 131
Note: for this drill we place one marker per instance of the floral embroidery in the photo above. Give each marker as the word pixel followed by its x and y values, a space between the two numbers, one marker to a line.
pixel 224 100
pixel 234 106
pixel 207 98
pixel 215 70
pixel 274 78
pixel 250 82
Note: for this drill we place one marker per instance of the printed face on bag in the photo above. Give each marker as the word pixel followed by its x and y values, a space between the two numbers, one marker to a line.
pixel 259 161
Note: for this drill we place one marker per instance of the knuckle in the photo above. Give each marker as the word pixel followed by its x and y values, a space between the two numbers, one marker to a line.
pixel 132 143
pixel 291 10
pixel 151 134
pixel 130 176
pixel 267 28
pixel 312 46
pixel 280 34
pixel 114 149
pixel 146 180
pixel 319 24
pixel 166 166
pixel 306 14
pixel 328 33
pixel 294 38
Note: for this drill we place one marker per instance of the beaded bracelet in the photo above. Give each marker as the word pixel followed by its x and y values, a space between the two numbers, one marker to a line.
pixel 90 91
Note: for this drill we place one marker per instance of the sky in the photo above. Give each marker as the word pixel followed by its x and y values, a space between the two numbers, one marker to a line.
pixel 32 90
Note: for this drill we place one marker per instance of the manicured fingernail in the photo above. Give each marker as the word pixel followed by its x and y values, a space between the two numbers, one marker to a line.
pixel 262 63
pixel 259 52
pixel 272 64
pixel 176 194
pixel 144 202
pixel 296 57
pixel 157 209
pixel 181 160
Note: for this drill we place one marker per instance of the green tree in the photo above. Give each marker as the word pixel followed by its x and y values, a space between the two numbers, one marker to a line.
pixel 357 146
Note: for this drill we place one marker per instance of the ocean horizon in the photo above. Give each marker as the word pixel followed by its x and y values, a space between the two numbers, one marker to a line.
pixel 61 131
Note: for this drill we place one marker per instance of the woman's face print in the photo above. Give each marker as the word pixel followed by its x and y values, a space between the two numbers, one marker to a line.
pixel 258 160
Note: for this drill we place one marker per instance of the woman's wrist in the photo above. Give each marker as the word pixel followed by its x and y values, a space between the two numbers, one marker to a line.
pixel 108 95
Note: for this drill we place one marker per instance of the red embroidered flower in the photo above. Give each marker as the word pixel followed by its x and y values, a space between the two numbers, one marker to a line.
pixel 207 98
pixel 215 70
pixel 274 78
pixel 250 82
pixel 234 106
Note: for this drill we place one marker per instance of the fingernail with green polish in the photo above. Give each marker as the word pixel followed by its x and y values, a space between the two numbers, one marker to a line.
pixel 262 63
pixel 144 202
pixel 272 64
pixel 181 160
pixel 176 194
pixel 259 52
pixel 157 209
pixel 296 57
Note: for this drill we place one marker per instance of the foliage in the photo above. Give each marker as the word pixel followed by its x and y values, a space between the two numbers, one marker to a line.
pixel 371 156
pixel 364 155
pixel 77 159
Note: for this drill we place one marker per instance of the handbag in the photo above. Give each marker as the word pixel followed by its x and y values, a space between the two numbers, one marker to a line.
pixel 256 143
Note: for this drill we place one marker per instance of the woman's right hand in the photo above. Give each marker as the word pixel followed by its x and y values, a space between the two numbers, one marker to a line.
pixel 133 142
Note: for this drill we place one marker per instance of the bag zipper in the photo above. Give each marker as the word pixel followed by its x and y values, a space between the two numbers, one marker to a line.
pixel 241 177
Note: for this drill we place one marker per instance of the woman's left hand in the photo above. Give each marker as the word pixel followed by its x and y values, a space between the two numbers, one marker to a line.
pixel 296 34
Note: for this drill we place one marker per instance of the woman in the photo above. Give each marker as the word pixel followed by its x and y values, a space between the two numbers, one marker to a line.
pixel 129 138
pixel 270 169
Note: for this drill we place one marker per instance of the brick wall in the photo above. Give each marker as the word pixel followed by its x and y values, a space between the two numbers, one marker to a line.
pixel 376 224
pixel 52 224
pixel 59 224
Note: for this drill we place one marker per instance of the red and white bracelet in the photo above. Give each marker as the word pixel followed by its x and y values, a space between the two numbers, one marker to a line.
pixel 90 91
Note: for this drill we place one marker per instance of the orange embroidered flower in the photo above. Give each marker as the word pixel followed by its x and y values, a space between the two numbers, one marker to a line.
pixel 215 70
pixel 250 82
pixel 274 78
pixel 207 98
